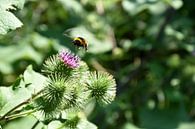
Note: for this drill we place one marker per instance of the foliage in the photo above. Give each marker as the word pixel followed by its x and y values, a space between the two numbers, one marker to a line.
pixel 147 45
pixel 59 92
pixel 8 21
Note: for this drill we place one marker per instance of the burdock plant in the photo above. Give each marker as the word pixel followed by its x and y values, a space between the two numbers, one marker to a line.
pixel 62 97
pixel 71 86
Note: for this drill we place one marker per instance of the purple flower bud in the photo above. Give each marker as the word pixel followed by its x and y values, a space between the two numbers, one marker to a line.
pixel 69 59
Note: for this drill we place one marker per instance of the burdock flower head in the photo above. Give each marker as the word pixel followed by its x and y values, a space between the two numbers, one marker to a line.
pixel 69 59
pixel 64 63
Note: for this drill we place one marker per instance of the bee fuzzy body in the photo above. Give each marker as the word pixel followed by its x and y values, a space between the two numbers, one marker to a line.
pixel 80 42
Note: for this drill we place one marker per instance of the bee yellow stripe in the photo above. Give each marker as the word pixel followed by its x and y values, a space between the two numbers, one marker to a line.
pixel 78 39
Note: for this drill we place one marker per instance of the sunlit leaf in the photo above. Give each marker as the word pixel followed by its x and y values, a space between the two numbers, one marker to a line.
pixel 72 5
pixel 186 125
pixel 83 124
pixel 130 126
pixel 7 20
pixel 31 84
pixel 24 123
pixel 175 3
pixel 17 52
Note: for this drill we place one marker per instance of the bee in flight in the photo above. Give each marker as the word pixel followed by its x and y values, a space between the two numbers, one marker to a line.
pixel 78 41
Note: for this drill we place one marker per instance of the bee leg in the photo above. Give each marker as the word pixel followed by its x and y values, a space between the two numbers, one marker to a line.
pixel 85 47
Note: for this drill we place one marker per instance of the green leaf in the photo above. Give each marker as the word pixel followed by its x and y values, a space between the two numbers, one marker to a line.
pixel 54 125
pixel 155 119
pixel 72 5
pixel 11 4
pixel 23 51
pixel 7 20
pixel 35 80
pixel 24 123
pixel 129 126
pixel 187 125
pixel 10 97
pixel 83 124
pixel 176 4
pixel 135 7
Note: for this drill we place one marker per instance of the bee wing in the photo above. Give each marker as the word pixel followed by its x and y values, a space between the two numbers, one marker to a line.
pixel 67 36
pixel 65 33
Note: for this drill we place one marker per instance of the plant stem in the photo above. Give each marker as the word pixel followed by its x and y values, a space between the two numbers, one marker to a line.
pixel 35 124
pixel 18 115
pixel 168 17
pixel 19 105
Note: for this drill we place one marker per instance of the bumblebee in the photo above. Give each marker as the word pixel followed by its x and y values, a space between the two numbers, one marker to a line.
pixel 80 42
pixel 77 41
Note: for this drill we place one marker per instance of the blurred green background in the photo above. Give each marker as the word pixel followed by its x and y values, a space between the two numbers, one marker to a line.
pixel 148 45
